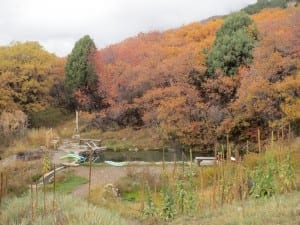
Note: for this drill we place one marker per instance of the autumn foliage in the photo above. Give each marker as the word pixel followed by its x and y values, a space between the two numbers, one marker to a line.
pixel 27 75
pixel 163 76
pixel 174 81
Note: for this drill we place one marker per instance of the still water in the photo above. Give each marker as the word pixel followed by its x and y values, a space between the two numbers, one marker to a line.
pixel 146 156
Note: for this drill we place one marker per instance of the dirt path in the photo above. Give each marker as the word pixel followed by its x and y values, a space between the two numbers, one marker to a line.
pixel 100 176
pixel 108 175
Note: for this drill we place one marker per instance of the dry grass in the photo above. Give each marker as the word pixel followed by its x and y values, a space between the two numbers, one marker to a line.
pixel 283 210
pixel 32 140
pixel 121 139
pixel 222 190
pixel 68 211
pixel 220 185
pixel 20 174
pixel 103 197
pixel 130 187
pixel 128 138
pixel 66 130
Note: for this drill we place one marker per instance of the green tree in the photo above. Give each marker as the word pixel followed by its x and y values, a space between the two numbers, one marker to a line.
pixel 233 44
pixel 262 4
pixel 81 81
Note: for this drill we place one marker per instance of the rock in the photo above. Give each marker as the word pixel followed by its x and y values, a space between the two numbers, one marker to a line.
pixel 112 189
pixel 76 136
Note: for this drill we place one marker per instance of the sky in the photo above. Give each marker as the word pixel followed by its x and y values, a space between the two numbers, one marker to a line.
pixel 58 24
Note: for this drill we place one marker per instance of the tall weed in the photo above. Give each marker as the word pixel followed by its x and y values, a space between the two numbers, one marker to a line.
pixel 69 211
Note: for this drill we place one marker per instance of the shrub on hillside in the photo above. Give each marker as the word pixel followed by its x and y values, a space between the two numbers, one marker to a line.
pixel 49 117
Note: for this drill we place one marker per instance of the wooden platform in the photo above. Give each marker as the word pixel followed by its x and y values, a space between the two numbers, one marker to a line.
pixel 94 147
pixel 85 140
pixel 199 159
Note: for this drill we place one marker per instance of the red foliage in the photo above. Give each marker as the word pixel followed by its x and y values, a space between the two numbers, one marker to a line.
pixel 150 72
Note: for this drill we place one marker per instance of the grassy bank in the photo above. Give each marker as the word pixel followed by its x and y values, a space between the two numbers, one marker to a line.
pixel 67 182
pixel 260 189
pixel 123 139
pixel 120 139
pixel 67 211
pixel 247 191
pixel 282 209
pixel 128 138
pixel 31 141
pixel 183 192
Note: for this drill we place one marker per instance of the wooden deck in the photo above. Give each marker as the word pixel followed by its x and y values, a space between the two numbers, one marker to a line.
pixel 199 159
pixel 95 147
pixel 85 140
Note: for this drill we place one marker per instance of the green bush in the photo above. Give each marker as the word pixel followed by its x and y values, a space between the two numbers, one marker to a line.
pixel 273 176
pixel 150 208
pixel 168 211
pixel 49 117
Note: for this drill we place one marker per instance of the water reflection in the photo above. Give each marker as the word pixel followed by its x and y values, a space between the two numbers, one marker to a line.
pixel 146 156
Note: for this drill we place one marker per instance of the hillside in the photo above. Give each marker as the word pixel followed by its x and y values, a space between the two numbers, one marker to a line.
pixel 161 79
pixel 196 84
pixel 227 87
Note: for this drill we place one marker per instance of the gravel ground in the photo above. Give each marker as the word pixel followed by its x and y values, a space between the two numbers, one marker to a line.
pixel 103 175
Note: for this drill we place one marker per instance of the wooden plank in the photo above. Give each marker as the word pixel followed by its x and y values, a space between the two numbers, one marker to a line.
pixel 199 159
pixel 95 147
pixel 84 140
pixel 205 158
pixel 117 164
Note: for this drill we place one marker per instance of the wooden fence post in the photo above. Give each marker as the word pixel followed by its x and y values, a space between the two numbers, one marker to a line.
pixel 44 189
pixel 54 186
pixel 182 158
pixel 32 203
pixel 77 127
pixel 6 183
pixel 191 158
pixel 228 147
pixel 163 162
pixel 1 187
pixel 272 140
pixel 258 140
pixel 90 175
pixel 174 165
pixel 37 197
pixel 289 135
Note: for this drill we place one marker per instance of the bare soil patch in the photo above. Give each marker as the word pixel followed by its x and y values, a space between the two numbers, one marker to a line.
pixel 103 175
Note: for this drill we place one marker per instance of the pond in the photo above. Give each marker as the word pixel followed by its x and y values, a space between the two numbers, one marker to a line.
pixel 146 156
pixel 150 155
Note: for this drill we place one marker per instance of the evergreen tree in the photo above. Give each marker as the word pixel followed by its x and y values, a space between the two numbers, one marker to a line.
pixel 262 4
pixel 81 77
pixel 233 44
